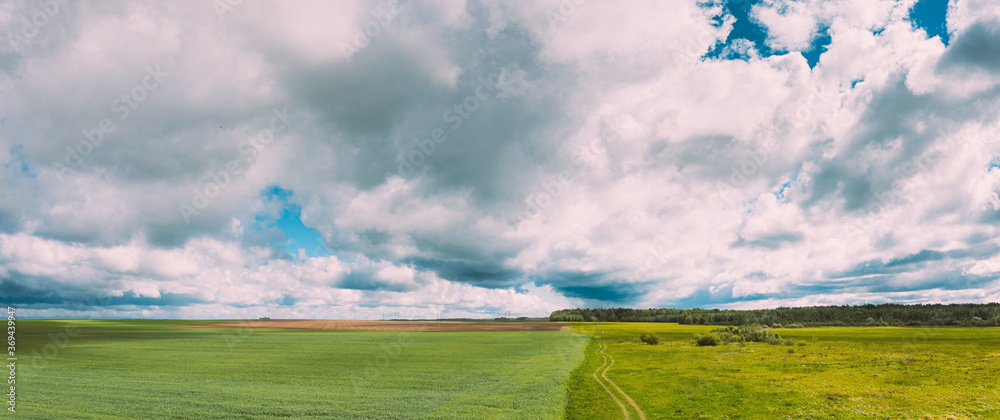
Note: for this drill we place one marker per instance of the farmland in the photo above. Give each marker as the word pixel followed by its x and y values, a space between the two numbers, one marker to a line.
pixel 146 369
pixel 852 373
pixel 398 369
pixel 342 325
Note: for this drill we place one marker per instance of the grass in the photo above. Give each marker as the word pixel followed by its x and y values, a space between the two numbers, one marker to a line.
pixel 145 369
pixel 844 373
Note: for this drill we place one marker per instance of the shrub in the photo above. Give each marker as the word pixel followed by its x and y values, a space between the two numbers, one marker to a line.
pixel 650 338
pixel 707 340
pixel 727 337
pixel 752 333
pixel 755 333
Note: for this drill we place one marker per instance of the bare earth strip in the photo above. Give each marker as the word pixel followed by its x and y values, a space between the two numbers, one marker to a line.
pixel 600 351
pixel 330 324
pixel 642 415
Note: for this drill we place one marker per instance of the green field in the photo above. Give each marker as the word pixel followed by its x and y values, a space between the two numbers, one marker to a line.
pixel 840 373
pixel 144 369
pixel 147 369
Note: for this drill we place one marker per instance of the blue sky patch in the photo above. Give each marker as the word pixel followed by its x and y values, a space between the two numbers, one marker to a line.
pixel 708 299
pixel 780 194
pixel 818 46
pixel 746 32
pixel 749 37
pixel 297 234
pixel 931 16
pixel 19 162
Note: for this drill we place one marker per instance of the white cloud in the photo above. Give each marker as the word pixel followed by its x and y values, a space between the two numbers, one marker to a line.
pixel 609 163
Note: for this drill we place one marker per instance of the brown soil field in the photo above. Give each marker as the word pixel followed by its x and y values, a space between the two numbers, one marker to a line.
pixel 329 324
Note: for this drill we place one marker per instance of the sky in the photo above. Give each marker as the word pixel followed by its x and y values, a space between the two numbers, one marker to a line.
pixel 352 159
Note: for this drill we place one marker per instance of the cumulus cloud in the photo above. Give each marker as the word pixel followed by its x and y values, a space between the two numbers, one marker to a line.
pixel 466 157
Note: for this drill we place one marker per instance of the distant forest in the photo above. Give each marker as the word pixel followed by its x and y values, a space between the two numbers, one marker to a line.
pixel 889 314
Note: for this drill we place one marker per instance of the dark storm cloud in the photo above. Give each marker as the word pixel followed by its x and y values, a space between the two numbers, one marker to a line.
pixel 20 290
pixel 914 262
pixel 9 220
pixel 595 286
pixel 368 97
pixel 385 104
pixel 890 126
pixel 978 47
pixel 365 280
pixel 616 293
pixel 483 273
pixel 772 241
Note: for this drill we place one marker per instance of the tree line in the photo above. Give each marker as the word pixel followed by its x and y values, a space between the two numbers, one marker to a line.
pixel 887 314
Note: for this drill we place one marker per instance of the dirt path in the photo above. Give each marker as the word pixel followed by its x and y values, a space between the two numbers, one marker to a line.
pixel 642 415
pixel 600 351
pixel 604 374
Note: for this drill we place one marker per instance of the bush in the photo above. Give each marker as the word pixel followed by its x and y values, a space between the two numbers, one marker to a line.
pixel 650 338
pixel 755 333
pixel 729 334
pixel 707 340
pixel 752 333
pixel 728 337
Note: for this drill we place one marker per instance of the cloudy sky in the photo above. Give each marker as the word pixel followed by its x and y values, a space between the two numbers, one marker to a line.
pixel 449 158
